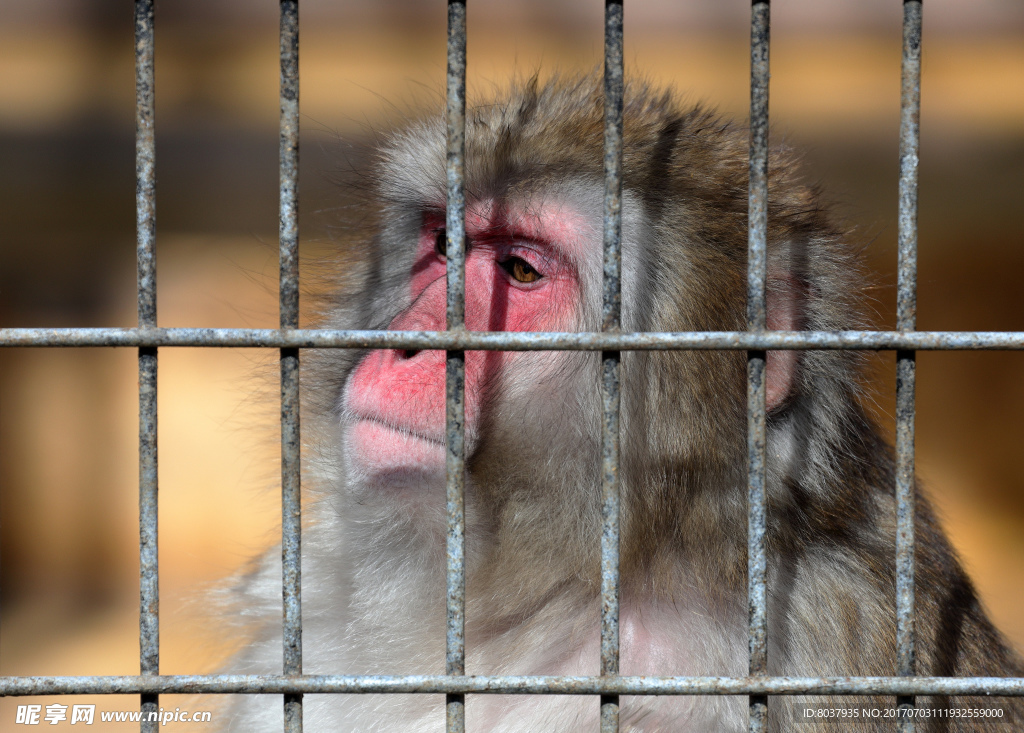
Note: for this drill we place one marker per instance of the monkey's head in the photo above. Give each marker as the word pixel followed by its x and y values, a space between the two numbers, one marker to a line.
pixel 534 191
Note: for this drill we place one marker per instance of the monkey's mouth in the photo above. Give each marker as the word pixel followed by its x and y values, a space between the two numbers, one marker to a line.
pixel 377 447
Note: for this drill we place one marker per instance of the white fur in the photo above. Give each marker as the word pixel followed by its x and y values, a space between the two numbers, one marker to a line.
pixel 377 610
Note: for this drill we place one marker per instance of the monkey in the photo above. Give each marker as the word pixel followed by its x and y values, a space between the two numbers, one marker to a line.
pixel 374 544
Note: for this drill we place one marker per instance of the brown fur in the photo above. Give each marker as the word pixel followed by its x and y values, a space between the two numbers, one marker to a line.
pixel 534 507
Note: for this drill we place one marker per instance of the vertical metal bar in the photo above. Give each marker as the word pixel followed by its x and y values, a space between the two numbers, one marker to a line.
pixel 291 495
pixel 455 366
pixel 906 320
pixel 757 238
pixel 611 321
pixel 145 222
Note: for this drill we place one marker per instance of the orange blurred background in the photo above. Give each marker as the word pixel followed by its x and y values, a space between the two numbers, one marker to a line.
pixel 68 418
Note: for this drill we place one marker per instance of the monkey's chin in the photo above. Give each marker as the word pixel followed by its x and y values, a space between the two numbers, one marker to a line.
pixel 384 453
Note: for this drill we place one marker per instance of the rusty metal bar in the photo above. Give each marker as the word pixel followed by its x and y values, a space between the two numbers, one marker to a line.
pixel 291 481
pixel 757 269
pixel 610 394
pixel 455 367
pixel 611 311
pixel 514 341
pixel 906 320
pixel 145 222
pixel 510 685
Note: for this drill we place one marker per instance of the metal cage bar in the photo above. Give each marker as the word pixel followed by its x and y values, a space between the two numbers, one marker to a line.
pixel 509 685
pixel 515 341
pixel 757 319
pixel 454 684
pixel 455 367
pixel 145 221
pixel 906 363
pixel 611 311
pixel 291 443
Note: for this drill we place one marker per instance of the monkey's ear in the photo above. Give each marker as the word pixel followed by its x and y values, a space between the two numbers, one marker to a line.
pixel 785 299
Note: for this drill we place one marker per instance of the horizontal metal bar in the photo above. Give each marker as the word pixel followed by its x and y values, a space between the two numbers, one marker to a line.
pixel 510 685
pixel 516 341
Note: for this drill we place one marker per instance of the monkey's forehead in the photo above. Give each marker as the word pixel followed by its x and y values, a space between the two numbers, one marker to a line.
pixel 535 135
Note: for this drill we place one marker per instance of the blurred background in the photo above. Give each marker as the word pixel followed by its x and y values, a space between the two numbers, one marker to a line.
pixel 68 418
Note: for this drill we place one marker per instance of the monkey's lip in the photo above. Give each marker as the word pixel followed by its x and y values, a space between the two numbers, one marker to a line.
pixel 400 429
pixel 382 446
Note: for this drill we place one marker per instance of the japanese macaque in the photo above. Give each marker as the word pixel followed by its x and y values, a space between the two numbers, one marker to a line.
pixel 374 545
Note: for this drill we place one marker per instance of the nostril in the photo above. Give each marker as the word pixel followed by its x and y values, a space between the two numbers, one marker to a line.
pixel 407 353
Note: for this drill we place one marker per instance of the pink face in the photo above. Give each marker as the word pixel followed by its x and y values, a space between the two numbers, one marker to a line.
pixel 521 275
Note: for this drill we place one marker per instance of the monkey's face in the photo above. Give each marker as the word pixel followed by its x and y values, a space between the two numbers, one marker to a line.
pixel 522 274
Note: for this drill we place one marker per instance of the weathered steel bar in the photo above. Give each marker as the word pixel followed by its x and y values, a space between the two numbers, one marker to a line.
pixel 514 341
pixel 455 366
pixel 610 323
pixel 145 222
pixel 511 685
pixel 906 321
pixel 757 269
pixel 291 482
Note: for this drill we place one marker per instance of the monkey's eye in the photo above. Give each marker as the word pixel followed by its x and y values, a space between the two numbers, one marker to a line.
pixel 441 244
pixel 520 270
